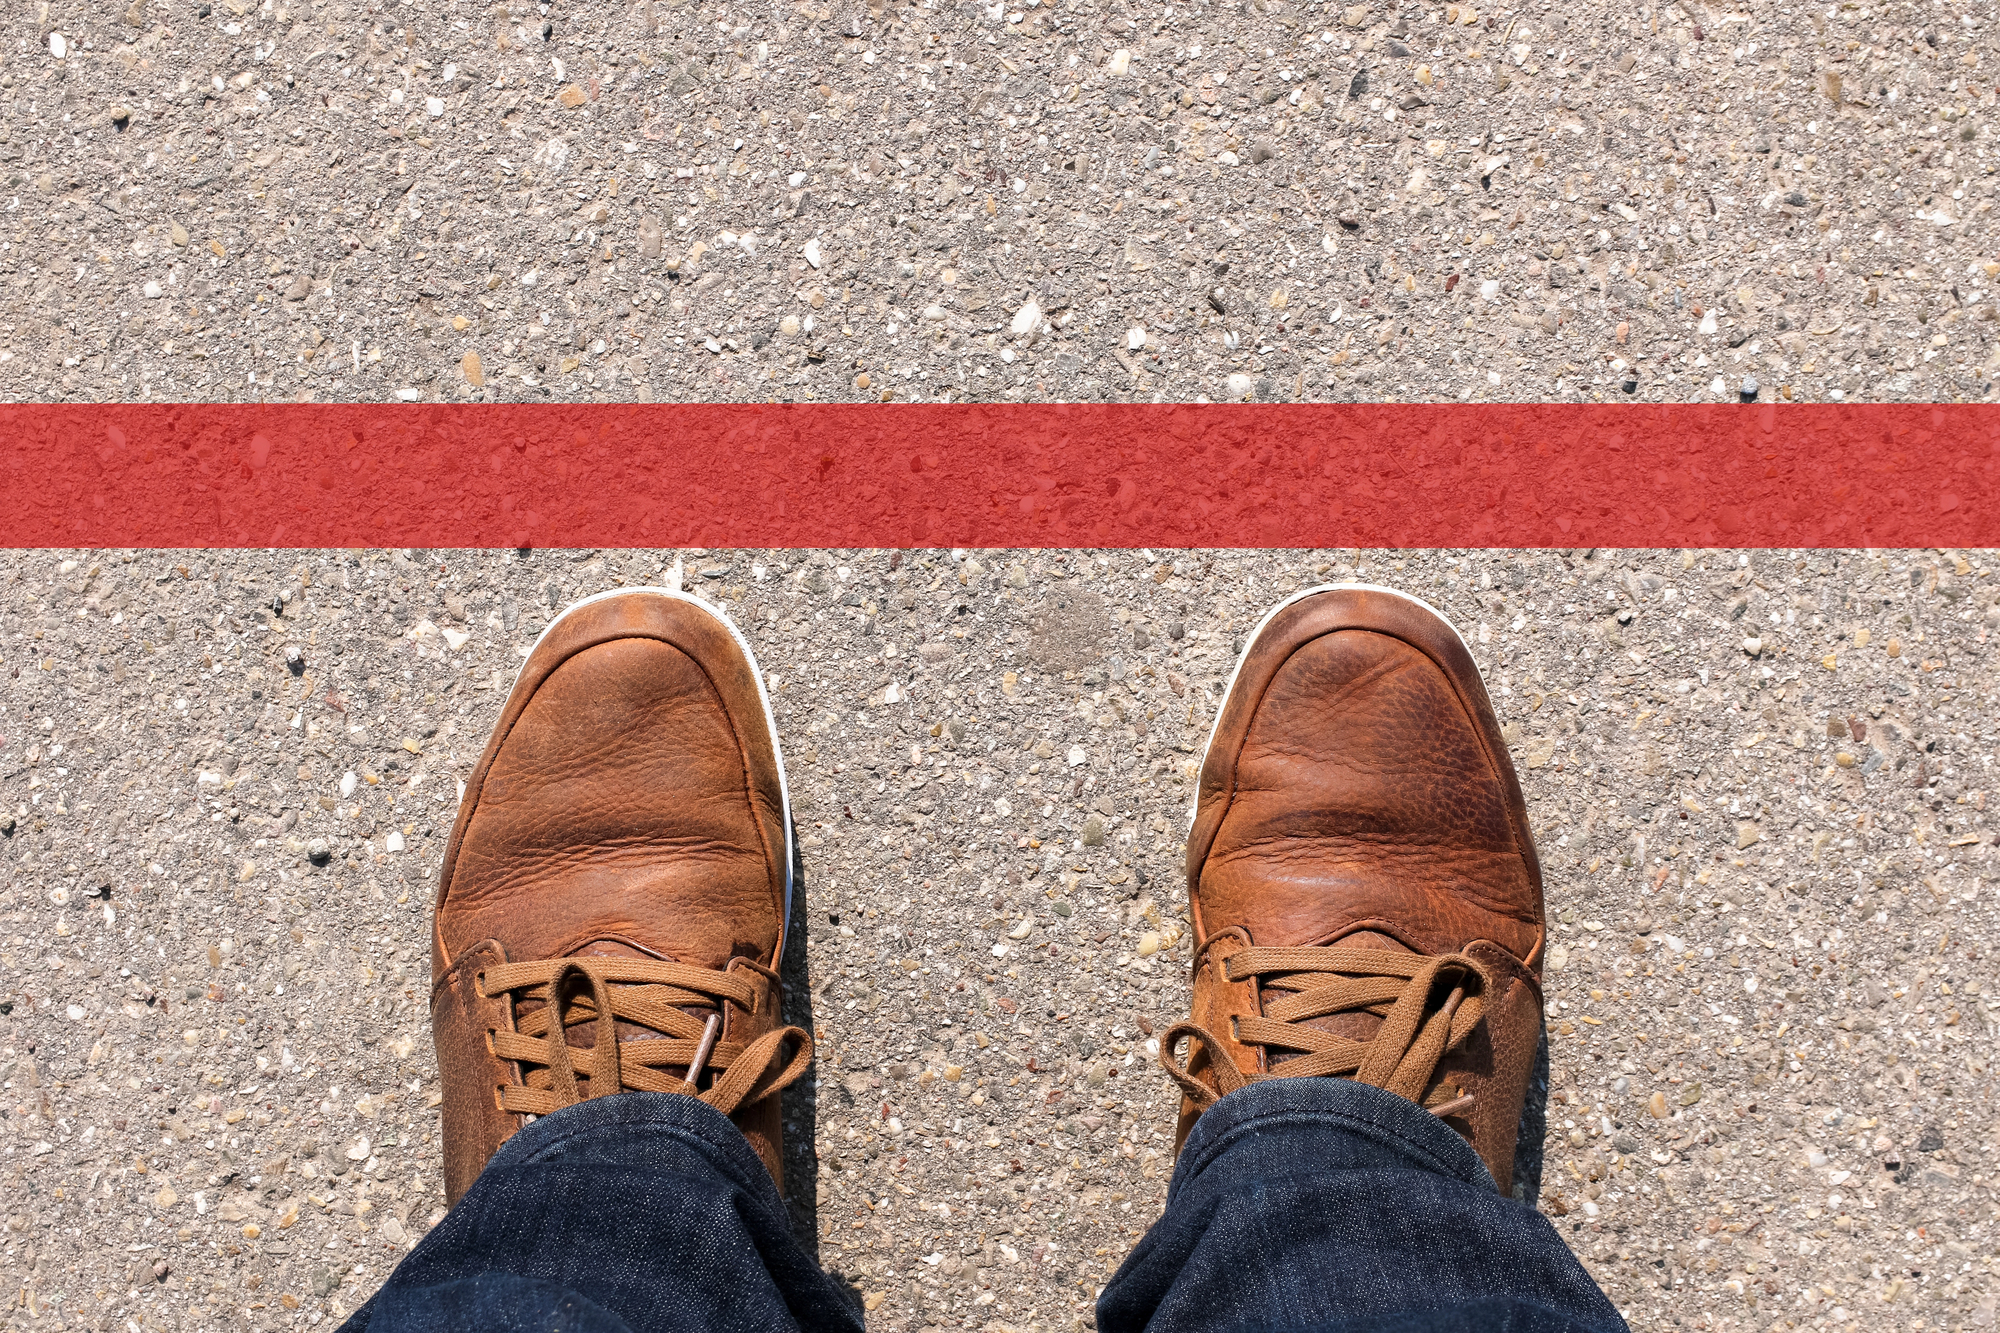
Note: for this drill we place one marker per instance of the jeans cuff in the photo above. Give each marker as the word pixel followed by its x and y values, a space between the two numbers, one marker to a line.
pixel 1382 1119
pixel 607 1128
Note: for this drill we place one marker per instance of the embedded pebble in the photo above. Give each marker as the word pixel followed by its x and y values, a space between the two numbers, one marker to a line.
pixel 1026 320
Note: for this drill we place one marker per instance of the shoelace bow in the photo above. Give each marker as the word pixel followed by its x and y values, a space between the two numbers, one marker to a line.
pixel 1417 1031
pixel 650 994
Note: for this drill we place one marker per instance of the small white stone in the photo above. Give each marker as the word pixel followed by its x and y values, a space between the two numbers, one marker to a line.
pixel 1753 645
pixel 788 325
pixel 58 45
pixel 1021 931
pixel 435 106
pixel 796 179
pixel 1489 289
pixel 1135 338
pixel 151 290
pixel 1240 386
pixel 812 252
pixel 394 842
pixel 1027 319
pixel 1076 755
pixel 1120 62
pixel 348 782
pixel 358 1151
pixel 552 155
pixel 1226 158
pixel 1707 322
pixel 455 638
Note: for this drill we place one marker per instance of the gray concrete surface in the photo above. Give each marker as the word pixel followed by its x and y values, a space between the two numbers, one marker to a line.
pixel 1760 783
pixel 1073 199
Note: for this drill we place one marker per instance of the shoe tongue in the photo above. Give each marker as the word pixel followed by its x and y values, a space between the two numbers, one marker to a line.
pixel 1372 939
pixel 609 949
pixel 1353 1026
pixel 584 1035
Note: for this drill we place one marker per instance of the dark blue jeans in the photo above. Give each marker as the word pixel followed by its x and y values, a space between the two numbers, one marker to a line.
pixel 1296 1205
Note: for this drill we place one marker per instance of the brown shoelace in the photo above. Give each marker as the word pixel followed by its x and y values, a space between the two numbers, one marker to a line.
pixel 1428 1005
pixel 649 994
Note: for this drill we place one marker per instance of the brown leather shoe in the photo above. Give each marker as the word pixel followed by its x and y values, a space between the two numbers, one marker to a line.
pixel 1367 902
pixel 612 907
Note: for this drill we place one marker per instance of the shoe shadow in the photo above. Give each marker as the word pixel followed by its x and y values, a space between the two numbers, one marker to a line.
pixel 1530 1139
pixel 800 1102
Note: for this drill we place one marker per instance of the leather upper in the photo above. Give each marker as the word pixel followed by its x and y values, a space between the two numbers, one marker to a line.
pixel 629 803
pixel 1357 791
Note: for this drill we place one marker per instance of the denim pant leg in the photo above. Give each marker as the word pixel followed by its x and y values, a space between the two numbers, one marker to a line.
pixel 1320 1204
pixel 622 1214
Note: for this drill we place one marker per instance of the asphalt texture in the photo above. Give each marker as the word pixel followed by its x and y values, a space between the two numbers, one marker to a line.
pixel 1759 783
pixel 673 200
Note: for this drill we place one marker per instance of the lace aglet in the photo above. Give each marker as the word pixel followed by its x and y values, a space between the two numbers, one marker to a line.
pixel 710 1030
pixel 1455 1104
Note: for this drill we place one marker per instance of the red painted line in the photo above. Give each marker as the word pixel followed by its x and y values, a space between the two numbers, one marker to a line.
pixel 1527 475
